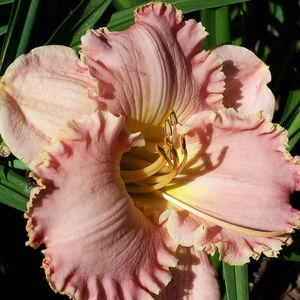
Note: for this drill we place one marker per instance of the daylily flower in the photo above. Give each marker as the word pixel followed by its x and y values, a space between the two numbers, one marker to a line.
pixel 148 151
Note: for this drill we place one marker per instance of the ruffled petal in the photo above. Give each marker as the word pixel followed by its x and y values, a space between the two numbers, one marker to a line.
pixel 153 67
pixel 39 92
pixel 239 179
pixel 246 81
pixel 98 245
pixel 194 278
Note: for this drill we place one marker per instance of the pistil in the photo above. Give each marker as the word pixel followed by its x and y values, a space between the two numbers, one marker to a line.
pixel 233 227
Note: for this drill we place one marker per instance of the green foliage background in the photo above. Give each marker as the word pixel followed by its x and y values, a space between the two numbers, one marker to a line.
pixel 271 28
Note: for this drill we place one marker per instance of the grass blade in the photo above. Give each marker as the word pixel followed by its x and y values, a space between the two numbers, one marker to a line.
pixel 14 190
pixel 17 164
pixel 236 282
pixel 89 22
pixel 217 23
pixel 241 281
pixel 3 29
pixel 230 283
pixel 14 181
pixel 291 107
pixel 84 16
pixel 6 1
pixel 91 7
pixel 14 32
pixel 292 253
pixel 12 198
pixel 123 4
pixel 294 131
pixel 27 29
pixel 63 33
pixel 122 19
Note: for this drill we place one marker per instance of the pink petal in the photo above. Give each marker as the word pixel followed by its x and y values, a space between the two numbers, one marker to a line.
pixel 194 278
pixel 98 245
pixel 246 81
pixel 153 67
pixel 40 92
pixel 238 172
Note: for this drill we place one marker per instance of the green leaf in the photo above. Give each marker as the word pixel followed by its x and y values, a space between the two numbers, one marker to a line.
pixel 123 4
pixel 12 198
pixel 27 28
pixel 6 1
pixel 217 23
pixel 215 259
pixel 292 257
pixel 90 8
pixel 291 107
pixel 19 16
pixel 291 117
pixel 84 16
pixel 241 281
pixel 292 253
pixel 89 22
pixel 236 282
pixel 3 29
pixel 14 190
pixel 294 130
pixel 64 32
pixel 14 181
pixel 230 285
pixel 122 19
pixel 17 164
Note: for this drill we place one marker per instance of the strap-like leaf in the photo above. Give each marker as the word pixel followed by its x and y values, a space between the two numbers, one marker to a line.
pixel 14 189
pixel 236 282
pixel 6 1
pixel 84 16
pixel 123 19
pixel 216 21
pixel 89 23
pixel 18 32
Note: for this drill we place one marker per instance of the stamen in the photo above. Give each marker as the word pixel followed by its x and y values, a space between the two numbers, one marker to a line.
pixel 183 145
pixel 184 152
pixel 168 129
pixel 136 175
pixel 168 142
pixel 146 188
pixel 153 176
pixel 173 118
pixel 133 162
pixel 163 152
pixel 156 179
pixel 221 223
pixel 174 156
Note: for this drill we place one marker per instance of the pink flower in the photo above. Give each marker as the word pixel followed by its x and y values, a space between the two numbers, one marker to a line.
pixel 145 145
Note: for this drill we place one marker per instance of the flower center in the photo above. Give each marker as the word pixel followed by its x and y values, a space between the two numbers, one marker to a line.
pixel 152 168
pixel 171 157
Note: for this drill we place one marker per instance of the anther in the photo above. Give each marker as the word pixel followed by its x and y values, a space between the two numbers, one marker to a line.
pixel 163 152
pixel 174 156
pixel 173 118
pixel 168 142
pixel 168 129
pixel 130 176
pixel 183 144
pixel 158 174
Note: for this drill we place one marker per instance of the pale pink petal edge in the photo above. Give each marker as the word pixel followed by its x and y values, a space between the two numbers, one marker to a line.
pixel 198 231
pixel 148 283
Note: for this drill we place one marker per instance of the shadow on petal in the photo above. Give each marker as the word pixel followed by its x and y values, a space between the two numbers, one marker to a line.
pixel 194 278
